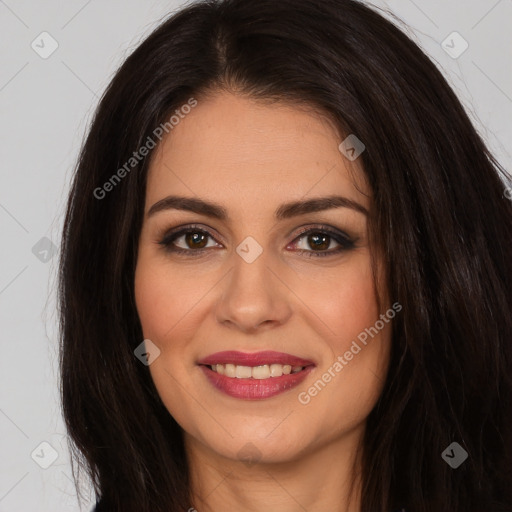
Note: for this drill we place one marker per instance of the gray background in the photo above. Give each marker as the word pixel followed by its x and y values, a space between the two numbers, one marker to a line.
pixel 46 105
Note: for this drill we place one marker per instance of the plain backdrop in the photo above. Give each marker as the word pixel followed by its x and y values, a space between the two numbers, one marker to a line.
pixel 46 105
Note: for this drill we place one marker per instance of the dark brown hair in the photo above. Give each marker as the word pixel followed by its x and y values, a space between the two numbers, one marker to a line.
pixel 438 214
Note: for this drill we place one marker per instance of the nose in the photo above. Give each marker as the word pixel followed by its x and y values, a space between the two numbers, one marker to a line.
pixel 253 299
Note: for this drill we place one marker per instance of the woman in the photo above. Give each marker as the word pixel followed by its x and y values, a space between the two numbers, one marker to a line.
pixel 286 274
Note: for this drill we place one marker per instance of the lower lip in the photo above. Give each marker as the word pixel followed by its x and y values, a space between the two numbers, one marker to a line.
pixel 255 389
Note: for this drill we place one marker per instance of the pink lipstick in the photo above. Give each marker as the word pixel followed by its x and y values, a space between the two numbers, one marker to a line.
pixel 255 376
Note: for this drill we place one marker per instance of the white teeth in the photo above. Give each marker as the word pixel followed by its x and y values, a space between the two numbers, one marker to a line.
pixel 256 372
pixel 229 370
pixel 276 370
pixel 243 372
pixel 260 372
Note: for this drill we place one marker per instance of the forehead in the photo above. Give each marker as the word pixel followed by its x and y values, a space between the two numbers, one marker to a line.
pixel 236 150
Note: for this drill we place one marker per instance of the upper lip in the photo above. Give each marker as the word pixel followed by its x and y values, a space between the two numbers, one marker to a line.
pixel 254 358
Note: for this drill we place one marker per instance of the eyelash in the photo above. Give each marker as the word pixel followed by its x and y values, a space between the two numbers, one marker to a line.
pixel 344 241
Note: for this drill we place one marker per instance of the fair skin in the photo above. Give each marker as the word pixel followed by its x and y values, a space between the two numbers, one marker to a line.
pixel 251 157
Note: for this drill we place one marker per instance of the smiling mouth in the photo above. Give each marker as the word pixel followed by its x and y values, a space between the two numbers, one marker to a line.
pixel 255 375
pixel 260 372
pixel 255 382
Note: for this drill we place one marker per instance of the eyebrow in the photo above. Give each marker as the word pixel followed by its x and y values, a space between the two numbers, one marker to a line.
pixel 285 211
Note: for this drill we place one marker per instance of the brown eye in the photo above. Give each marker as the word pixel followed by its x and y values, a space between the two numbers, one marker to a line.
pixel 189 240
pixel 318 241
pixel 196 240
pixel 322 241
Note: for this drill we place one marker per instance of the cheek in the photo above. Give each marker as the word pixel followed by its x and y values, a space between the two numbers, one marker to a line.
pixel 166 300
pixel 352 308
pixel 345 307
pixel 168 307
pixel 155 304
pixel 353 315
pixel 343 301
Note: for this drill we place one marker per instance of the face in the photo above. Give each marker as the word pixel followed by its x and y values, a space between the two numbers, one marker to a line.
pixel 243 265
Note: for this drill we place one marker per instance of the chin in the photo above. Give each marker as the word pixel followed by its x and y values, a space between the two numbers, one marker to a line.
pixel 256 446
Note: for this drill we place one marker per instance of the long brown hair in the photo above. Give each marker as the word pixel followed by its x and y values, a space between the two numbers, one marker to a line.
pixel 439 215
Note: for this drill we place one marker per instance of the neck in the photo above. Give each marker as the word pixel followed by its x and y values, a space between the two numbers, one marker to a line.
pixel 328 478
